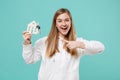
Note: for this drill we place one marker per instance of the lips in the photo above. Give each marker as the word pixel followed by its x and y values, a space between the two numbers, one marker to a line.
pixel 64 28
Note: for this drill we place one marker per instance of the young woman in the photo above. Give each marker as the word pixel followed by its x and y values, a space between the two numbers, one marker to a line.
pixel 60 51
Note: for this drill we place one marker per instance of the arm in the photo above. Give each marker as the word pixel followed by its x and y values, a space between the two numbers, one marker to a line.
pixel 31 54
pixel 91 47
pixel 87 47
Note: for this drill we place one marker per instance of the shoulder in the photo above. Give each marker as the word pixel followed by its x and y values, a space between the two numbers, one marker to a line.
pixel 79 38
pixel 86 41
pixel 41 40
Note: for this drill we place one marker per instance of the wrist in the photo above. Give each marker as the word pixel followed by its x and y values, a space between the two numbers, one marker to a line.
pixel 27 42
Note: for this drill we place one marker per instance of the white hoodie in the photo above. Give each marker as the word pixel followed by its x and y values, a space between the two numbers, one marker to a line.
pixel 62 66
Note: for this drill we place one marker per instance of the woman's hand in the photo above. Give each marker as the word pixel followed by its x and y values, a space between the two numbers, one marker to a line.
pixel 75 44
pixel 27 37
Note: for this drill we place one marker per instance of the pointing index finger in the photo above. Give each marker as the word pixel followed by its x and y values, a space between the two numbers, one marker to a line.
pixel 66 41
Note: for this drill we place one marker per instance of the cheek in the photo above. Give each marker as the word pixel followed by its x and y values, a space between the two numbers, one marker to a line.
pixel 69 23
pixel 57 24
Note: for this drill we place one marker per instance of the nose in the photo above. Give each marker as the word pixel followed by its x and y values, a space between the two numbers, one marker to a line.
pixel 63 23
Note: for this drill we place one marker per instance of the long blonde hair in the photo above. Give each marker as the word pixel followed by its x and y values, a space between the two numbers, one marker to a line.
pixel 52 40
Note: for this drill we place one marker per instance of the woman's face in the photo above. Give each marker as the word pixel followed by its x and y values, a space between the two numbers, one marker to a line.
pixel 63 24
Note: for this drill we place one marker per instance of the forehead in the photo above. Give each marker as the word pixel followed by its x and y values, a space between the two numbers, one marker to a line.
pixel 63 16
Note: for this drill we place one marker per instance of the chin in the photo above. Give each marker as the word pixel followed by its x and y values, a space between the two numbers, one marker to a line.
pixel 65 33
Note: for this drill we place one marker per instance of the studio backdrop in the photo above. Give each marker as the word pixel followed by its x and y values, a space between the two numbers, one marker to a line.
pixel 93 20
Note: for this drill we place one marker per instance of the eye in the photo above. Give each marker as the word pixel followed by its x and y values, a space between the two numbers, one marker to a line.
pixel 67 20
pixel 59 21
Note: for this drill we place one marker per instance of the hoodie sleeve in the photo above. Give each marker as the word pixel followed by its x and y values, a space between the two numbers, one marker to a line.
pixel 33 54
pixel 92 47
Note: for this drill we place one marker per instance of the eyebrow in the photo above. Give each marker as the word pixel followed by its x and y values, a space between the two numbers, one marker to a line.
pixel 61 19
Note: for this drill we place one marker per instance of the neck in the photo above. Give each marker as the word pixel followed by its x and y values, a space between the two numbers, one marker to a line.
pixel 62 36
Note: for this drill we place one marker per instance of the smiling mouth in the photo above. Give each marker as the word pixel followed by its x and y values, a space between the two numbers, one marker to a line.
pixel 64 28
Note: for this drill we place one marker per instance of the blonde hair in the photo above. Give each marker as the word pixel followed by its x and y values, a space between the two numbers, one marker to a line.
pixel 52 40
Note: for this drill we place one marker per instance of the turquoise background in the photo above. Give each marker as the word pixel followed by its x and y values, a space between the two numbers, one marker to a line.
pixel 93 19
